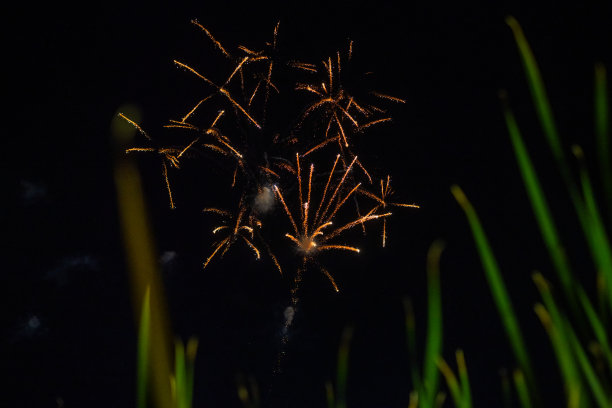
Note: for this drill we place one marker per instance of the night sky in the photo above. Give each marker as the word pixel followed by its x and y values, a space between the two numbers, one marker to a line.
pixel 67 323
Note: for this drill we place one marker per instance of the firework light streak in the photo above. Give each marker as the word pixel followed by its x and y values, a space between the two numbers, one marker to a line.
pixel 169 154
pixel 224 145
pixel 338 108
pixel 235 229
pixel 310 236
pixel 222 91
pixel 254 56
pixel 385 193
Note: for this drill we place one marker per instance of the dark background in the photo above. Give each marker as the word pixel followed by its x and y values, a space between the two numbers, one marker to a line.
pixel 67 320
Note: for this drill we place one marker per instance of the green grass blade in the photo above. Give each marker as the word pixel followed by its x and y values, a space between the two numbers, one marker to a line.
pixel 451 382
pixel 521 389
pixel 464 380
pixel 538 93
pixel 602 131
pixel 539 204
pixel 190 355
pixel 459 389
pixel 497 286
pixel 440 398
pixel 562 353
pixel 596 232
pixel 592 380
pixel 552 320
pixel 596 325
pixel 414 399
pixel 179 374
pixel 410 324
pixel 141 259
pixel 433 339
pixel 343 357
pixel 545 115
pixel 142 364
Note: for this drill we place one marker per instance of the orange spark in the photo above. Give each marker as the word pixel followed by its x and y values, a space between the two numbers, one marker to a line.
pixel 217 43
pixel 221 90
pixel 168 154
pixel 235 227
pixel 385 192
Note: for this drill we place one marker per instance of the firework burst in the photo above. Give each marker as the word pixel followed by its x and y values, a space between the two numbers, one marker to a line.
pixel 314 227
pixel 257 144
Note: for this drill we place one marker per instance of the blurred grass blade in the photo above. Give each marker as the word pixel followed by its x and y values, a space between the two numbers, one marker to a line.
pixel 329 394
pixel 459 389
pixel 590 375
pixel 552 320
pixel 343 357
pixel 433 339
pixel 464 380
pixel 506 390
pixel 190 355
pixel 141 258
pixel 521 389
pixel 596 232
pixel 179 374
pixel 603 296
pixel 498 288
pixel 602 131
pixel 566 346
pixel 183 372
pixel 562 353
pixel 538 93
pixel 440 398
pixel 414 400
pixel 545 115
pixel 142 365
pixel 542 105
pixel 596 325
pixel 451 381
pixel 248 391
pixel 539 204
pixel 411 341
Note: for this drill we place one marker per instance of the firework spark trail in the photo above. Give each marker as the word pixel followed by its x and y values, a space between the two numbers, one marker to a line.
pixel 236 231
pixel 222 91
pixel 388 97
pixel 255 56
pixel 168 154
pixel 385 192
pixel 130 121
pixel 336 106
pixel 217 43
pixel 224 147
